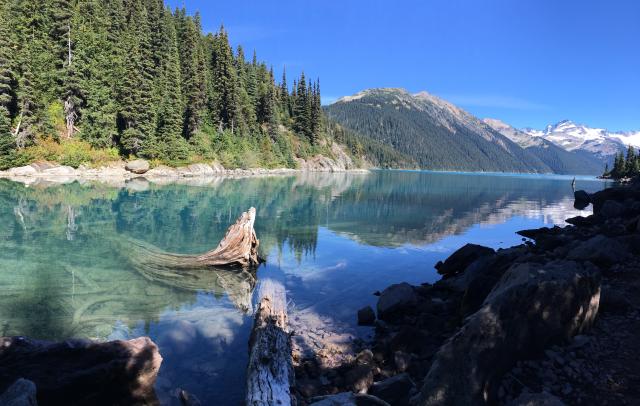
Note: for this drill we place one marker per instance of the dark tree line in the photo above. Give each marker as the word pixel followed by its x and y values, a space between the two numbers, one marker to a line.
pixel 134 75
pixel 625 166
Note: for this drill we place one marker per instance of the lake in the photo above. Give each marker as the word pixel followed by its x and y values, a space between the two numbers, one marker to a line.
pixel 66 267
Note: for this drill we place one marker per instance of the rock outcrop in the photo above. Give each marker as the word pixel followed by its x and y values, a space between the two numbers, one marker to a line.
pixel 83 372
pixel 530 308
pixel 21 393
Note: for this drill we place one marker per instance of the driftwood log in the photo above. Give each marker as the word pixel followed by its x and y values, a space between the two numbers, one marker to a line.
pixel 238 248
pixel 270 371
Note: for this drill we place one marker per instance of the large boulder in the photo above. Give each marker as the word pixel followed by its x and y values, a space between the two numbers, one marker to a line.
pixel 611 209
pixel 60 171
pixel 162 171
pixel 582 199
pixel 82 372
pixel 532 307
pixel 21 393
pixel 461 259
pixel 196 170
pixel 22 171
pixel 138 166
pixel 600 250
pixel 395 299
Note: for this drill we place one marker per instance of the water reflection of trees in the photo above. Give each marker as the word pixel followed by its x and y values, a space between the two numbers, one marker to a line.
pixel 63 269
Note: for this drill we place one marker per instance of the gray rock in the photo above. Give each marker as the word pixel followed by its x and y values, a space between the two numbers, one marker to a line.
pixel 536 399
pixel 532 307
pixel 138 166
pixel 610 209
pixel 394 299
pixel 199 170
pixel 21 393
pixel 395 390
pixel 162 171
pixel 366 316
pixel 217 167
pixel 600 250
pixel 60 171
pixel 461 259
pixel 22 171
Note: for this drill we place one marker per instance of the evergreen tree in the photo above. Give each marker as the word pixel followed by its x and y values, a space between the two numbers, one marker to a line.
pixel 301 111
pixel 224 79
pixel 169 126
pixel 7 141
pixel 136 110
pixel 193 84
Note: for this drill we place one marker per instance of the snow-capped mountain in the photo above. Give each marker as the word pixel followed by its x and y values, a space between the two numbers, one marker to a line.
pixel 560 160
pixel 577 137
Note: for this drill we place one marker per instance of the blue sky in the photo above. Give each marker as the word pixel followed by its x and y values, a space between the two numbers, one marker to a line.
pixel 527 62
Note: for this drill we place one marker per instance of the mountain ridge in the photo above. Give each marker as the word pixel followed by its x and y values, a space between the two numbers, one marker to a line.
pixel 434 132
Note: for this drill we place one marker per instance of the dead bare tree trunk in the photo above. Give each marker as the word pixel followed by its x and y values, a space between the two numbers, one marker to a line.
pixel 238 247
pixel 270 372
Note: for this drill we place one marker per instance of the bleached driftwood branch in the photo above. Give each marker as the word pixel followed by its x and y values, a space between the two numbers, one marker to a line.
pixel 270 372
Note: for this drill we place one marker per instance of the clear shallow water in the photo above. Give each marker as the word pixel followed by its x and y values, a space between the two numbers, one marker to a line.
pixel 65 267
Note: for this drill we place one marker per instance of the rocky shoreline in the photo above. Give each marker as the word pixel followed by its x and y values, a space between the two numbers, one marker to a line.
pixel 118 174
pixel 552 321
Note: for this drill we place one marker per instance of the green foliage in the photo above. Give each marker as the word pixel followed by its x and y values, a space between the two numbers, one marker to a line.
pixel 135 76
pixel 68 152
pixel 625 167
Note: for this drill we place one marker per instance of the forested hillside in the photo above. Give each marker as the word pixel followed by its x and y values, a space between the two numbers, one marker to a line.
pixel 431 132
pixel 84 80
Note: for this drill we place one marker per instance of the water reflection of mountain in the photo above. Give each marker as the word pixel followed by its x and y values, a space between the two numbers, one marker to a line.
pixel 63 269
pixel 395 208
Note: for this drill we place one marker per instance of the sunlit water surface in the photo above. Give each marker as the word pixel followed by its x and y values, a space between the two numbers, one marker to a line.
pixel 66 269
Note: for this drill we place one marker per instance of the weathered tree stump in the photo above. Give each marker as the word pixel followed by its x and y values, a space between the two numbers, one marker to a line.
pixel 238 248
pixel 270 372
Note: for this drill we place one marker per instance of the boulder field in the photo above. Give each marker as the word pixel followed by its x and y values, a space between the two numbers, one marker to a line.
pixel 553 321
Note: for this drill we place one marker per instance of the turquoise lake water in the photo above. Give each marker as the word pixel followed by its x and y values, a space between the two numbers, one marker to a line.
pixel 66 266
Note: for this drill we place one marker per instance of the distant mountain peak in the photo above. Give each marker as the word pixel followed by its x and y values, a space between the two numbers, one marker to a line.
pixel 376 90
